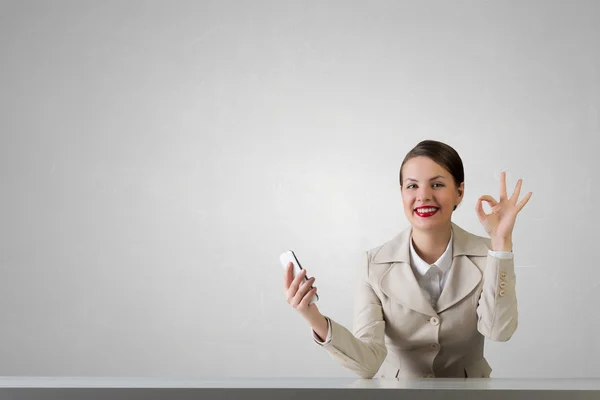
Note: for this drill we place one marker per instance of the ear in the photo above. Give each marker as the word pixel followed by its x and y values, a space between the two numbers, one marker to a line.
pixel 461 192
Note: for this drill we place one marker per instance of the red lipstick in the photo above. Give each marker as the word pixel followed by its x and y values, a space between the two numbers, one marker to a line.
pixel 426 211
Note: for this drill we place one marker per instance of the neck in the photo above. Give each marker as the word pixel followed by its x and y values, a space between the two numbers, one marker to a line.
pixel 430 245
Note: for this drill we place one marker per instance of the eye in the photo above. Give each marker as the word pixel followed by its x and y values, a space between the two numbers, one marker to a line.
pixel 438 184
pixel 410 186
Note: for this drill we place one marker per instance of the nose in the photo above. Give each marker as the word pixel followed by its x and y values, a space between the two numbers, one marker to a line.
pixel 424 193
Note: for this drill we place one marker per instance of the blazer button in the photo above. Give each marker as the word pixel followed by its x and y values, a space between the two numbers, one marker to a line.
pixel 502 285
pixel 503 275
pixel 434 346
pixel 502 292
pixel 434 321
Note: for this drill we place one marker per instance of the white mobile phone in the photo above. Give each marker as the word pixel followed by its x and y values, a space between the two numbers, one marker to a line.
pixel 288 257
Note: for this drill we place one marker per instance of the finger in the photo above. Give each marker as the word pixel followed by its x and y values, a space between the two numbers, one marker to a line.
pixel 517 192
pixel 479 210
pixel 306 299
pixel 291 292
pixel 524 201
pixel 306 286
pixel 502 185
pixel 288 276
pixel 489 199
pixel 298 279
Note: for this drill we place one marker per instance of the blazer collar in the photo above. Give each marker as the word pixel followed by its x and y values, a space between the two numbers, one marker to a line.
pixel 398 282
pixel 398 249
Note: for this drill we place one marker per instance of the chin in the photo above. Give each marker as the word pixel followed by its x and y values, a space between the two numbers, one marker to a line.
pixel 425 225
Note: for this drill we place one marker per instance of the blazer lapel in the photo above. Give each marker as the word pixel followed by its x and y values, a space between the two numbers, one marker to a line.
pixel 464 276
pixel 398 282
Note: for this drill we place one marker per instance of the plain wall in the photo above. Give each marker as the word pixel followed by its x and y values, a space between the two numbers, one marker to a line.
pixel 156 157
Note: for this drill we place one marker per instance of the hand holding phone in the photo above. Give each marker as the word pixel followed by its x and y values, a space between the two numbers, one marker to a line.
pixel 302 286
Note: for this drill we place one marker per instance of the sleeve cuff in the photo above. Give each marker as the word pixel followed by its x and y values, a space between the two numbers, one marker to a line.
pixel 501 254
pixel 328 338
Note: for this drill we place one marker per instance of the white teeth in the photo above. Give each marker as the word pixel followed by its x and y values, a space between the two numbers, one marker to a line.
pixel 426 210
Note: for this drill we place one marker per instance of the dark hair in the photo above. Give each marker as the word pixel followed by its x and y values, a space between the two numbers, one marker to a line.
pixel 441 154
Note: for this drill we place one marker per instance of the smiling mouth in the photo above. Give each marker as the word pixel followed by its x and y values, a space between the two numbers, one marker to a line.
pixel 426 212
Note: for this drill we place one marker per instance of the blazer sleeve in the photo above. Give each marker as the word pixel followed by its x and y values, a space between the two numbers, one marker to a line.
pixel 363 350
pixel 497 312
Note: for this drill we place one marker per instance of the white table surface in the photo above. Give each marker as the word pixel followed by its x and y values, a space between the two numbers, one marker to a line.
pixel 303 383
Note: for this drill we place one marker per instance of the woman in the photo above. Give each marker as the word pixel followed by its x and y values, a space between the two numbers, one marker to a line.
pixel 428 297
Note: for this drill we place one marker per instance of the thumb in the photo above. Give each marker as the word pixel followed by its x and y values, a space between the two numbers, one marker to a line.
pixel 479 210
pixel 288 276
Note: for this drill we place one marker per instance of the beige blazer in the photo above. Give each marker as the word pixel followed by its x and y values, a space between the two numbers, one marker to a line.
pixel 397 333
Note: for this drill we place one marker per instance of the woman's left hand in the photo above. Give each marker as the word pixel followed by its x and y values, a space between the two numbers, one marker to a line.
pixel 500 223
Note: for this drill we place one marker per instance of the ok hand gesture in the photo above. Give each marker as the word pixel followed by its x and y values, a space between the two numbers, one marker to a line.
pixel 500 223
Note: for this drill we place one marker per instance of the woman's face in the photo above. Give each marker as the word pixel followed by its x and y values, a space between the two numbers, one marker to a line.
pixel 429 193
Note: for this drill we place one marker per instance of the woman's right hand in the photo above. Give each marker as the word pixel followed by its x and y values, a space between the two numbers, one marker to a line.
pixel 299 291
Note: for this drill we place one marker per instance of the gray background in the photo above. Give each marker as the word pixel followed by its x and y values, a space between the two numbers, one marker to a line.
pixel 157 157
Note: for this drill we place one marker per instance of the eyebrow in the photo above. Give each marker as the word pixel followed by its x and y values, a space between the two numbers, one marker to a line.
pixel 432 179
